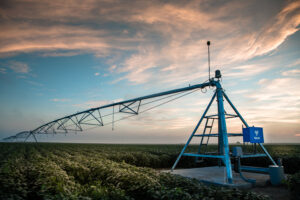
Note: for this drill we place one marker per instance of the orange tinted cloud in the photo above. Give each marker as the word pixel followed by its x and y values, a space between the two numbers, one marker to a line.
pixel 168 37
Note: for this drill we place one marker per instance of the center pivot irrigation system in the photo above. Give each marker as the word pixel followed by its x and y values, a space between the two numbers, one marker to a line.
pixel 95 117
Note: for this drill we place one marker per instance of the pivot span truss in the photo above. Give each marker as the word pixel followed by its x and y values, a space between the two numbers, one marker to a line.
pixel 96 117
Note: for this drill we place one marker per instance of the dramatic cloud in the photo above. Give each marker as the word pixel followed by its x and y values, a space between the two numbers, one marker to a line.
pixel 165 37
pixel 236 38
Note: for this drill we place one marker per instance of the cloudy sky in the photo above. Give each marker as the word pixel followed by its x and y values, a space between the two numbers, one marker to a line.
pixel 60 57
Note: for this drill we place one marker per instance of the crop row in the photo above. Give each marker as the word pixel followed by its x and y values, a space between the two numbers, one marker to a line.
pixel 163 156
pixel 53 171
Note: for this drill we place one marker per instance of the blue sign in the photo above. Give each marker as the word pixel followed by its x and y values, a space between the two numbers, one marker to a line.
pixel 253 135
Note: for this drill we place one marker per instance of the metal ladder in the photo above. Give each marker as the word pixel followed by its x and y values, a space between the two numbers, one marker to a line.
pixel 203 145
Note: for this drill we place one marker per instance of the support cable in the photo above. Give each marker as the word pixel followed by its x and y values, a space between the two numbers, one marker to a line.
pixel 182 94
pixel 185 93
pixel 123 118
pixel 113 119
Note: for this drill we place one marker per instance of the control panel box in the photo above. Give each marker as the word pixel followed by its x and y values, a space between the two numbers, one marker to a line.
pixel 253 135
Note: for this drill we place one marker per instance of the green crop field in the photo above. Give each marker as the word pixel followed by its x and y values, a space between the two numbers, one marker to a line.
pixel 102 171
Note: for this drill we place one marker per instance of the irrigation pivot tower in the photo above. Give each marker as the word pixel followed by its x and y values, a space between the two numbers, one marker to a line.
pixel 132 107
pixel 223 146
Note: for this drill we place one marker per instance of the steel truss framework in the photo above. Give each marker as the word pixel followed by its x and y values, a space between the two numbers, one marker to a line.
pixel 94 117
pixel 223 145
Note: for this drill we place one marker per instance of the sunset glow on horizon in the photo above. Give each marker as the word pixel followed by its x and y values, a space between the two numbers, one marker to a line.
pixel 61 57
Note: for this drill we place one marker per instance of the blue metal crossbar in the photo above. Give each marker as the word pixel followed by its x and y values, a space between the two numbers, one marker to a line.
pixel 253 155
pixel 217 135
pixel 215 116
pixel 255 169
pixel 203 155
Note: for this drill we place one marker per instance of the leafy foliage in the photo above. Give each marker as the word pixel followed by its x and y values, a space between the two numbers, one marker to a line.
pixel 293 183
pixel 89 171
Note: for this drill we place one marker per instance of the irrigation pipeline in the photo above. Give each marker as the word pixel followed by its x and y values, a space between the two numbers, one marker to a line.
pixel 90 117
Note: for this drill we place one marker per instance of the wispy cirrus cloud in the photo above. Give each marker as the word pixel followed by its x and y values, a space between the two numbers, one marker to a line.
pixel 60 100
pixel 276 89
pixel 19 67
pixel 292 72
pixel 52 38
pixel 295 63
pixel 276 100
pixel 246 71
pixel 2 70
pixel 94 104
pixel 35 83
pixel 182 51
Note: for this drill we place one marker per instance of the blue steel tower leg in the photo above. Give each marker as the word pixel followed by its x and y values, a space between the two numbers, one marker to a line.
pixel 223 142
pixel 192 135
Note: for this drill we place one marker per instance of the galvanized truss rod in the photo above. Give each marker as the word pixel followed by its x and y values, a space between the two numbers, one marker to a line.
pixel 129 110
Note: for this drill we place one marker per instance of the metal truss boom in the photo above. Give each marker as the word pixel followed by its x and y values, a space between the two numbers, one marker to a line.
pixel 131 106
pixel 123 103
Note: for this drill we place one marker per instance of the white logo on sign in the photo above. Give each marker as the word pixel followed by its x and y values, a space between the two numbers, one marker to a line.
pixel 256 133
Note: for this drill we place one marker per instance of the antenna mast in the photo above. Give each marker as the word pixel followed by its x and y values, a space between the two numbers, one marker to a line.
pixel 208 44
